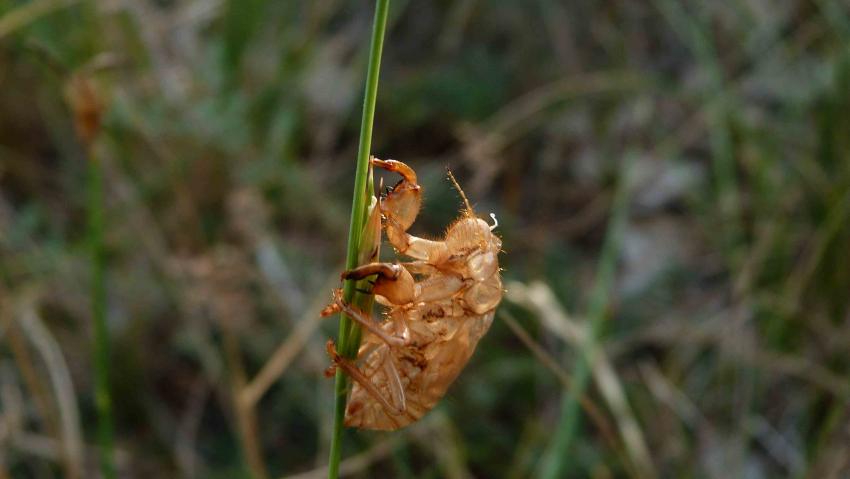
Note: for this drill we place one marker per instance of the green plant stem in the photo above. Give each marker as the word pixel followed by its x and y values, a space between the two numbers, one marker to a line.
pixel 554 461
pixel 103 399
pixel 349 334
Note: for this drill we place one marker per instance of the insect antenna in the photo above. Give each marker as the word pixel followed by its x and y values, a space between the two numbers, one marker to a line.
pixel 460 190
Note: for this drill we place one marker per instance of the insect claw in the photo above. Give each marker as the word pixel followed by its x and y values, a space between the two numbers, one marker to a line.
pixel 330 347
pixel 330 309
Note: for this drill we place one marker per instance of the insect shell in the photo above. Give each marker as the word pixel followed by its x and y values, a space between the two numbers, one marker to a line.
pixel 439 305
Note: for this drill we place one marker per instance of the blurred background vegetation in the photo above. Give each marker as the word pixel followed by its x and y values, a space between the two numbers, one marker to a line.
pixel 705 144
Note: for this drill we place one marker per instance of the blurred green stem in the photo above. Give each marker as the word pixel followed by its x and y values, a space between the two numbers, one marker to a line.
pixel 348 333
pixel 555 459
pixel 103 399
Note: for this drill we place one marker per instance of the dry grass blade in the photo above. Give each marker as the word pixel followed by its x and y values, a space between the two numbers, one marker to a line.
pixel 246 414
pixel 60 378
pixel 485 142
pixel 539 297
pixel 670 395
pixel 34 382
pixel 596 415
pixel 710 333
pixel 14 438
pixel 544 357
pixel 281 358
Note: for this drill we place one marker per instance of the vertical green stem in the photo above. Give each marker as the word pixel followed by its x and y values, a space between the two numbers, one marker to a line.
pixel 555 460
pixel 103 399
pixel 348 333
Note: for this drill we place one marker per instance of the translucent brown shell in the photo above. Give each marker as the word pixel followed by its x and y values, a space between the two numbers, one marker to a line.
pixel 439 305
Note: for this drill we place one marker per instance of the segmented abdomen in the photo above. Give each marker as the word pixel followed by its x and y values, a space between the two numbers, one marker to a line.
pixel 438 351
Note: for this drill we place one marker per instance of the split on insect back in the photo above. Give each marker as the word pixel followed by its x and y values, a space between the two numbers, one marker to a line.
pixel 439 303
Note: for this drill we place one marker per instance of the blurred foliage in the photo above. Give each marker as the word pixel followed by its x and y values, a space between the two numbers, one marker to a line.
pixel 228 150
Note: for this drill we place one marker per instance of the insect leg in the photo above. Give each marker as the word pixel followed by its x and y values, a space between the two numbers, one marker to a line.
pixel 361 379
pixel 364 320
pixel 330 309
pixel 420 267
pixel 385 270
pixel 394 282
pixel 400 208
pixel 413 246
pixel 394 380
pixel 397 166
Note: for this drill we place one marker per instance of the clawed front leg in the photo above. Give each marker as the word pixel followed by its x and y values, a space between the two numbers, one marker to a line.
pixel 394 282
pixel 354 373
pixel 400 208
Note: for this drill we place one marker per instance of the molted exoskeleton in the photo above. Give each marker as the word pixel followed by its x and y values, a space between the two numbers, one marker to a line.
pixel 439 307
